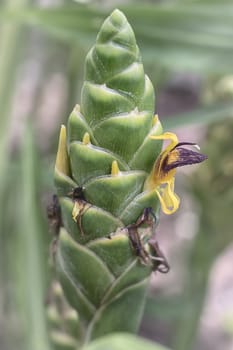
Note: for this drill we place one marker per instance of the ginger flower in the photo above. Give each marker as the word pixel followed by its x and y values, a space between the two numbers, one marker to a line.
pixel 162 177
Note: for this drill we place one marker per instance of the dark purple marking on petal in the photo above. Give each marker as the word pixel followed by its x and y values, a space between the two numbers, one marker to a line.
pixel 185 157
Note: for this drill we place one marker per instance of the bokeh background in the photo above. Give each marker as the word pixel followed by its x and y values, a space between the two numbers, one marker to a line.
pixel 187 50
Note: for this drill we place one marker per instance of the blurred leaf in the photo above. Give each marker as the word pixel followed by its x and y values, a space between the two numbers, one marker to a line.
pixel 123 341
pixel 165 308
pixel 207 1
pixel 203 115
pixel 197 36
pixel 10 48
pixel 31 259
pixel 211 186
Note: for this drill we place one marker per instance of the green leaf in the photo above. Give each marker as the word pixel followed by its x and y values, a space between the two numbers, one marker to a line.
pixel 77 126
pixel 63 341
pixel 123 341
pixel 135 207
pixel 116 252
pixel 11 47
pixel 203 115
pixel 111 316
pixel 32 269
pixel 63 183
pixel 74 295
pixel 88 161
pixel 92 276
pixel 145 155
pixel 124 125
pixel 134 273
pixel 96 223
pixel 123 188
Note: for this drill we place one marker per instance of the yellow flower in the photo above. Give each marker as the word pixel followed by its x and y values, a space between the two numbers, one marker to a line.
pixel 162 177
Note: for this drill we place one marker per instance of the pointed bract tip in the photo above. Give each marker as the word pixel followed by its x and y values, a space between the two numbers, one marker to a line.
pixel 62 160
pixel 57 290
pixel 155 119
pixel 77 108
pixel 115 168
pixel 86 138
pixel 117 17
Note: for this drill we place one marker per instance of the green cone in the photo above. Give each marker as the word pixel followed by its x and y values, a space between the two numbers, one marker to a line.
pixel 107 155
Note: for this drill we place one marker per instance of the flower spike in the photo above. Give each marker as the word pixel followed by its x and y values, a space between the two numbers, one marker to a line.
pixel 111 181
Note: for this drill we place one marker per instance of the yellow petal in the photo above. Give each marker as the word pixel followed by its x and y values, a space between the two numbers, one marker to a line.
pixel 168 199
pixel 174 141
pixel 167 136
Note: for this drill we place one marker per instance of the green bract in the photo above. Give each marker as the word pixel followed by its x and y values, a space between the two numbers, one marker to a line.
pixel 107 154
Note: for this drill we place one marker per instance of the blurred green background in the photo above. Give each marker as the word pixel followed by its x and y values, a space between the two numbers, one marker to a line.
pixel 187 50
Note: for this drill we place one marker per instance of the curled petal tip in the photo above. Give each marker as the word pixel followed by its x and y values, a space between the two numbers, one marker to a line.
pixel 168 199
pixel 197 147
